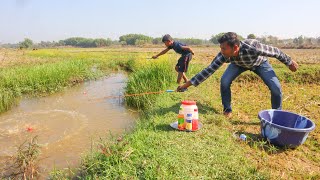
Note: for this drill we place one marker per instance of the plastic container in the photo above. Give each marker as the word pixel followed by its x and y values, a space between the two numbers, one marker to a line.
pixel 174 125
pixel 181 124
pixel 181 112
pixel 188 107
pixel 189 122
pixel 243 137
pixel 195 114
pixel 195 124
pixel 285 128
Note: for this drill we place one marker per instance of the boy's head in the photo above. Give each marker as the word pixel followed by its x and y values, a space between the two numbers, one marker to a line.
pixel 229 44
pixel 167 40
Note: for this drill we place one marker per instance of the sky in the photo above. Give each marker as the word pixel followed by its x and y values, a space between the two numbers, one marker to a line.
pixel 53 20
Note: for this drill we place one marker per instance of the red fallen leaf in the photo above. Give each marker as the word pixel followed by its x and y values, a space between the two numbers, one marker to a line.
pixel 84 92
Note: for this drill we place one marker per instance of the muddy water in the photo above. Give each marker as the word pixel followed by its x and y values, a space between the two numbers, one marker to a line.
pixel 67 122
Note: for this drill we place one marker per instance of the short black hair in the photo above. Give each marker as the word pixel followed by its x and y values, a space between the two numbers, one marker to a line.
pixel 166 37
pixel 231 38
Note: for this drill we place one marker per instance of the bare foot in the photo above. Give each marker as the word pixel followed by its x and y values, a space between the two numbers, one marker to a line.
pixel 227 114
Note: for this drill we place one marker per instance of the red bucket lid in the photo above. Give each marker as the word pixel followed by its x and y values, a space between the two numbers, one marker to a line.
pixel 188 102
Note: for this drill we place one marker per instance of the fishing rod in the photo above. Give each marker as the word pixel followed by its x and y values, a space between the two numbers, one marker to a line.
pixel 137 94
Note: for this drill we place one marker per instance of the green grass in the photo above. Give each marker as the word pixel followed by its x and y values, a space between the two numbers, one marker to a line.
pixel 42 79
pixel 155 76
pixel 8 98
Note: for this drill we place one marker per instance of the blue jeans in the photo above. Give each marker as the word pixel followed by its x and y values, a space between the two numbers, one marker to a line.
pixel 265 71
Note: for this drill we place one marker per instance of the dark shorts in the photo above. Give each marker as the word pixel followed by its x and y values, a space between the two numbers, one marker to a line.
pixel 183 62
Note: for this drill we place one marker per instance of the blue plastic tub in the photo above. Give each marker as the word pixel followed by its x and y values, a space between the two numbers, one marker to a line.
pixel 284 128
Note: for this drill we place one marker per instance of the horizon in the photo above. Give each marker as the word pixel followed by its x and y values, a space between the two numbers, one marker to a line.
pixel 59 20
pixel 151 37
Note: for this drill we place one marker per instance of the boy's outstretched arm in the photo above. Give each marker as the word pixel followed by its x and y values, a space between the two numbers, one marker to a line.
pixel 161 53
pixel 188 49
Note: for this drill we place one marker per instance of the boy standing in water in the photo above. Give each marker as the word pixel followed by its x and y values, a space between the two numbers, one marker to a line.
pixel 183 62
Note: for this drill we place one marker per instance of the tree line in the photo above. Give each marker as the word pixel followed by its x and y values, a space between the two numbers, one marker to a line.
pixel 140 39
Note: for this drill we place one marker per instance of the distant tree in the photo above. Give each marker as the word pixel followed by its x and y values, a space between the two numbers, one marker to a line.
pixel 308 41
pixel 61 43
pixel 115 42
pixel 300 40
pixel 157 40
pixel 27 43
pixel 263 40
pixel 214 38
pixel 131 39
pixel 46 44
pixel 74 41
pixel 190 41
pixel 123 43
pixel 273 40
pixel 142 42
pixel 296 41
pixel 318 40
pixel 251 36
pixel 102 42
pixel 86 42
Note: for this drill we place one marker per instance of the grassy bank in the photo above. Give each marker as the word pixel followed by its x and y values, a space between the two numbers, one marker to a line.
pixel 42 79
